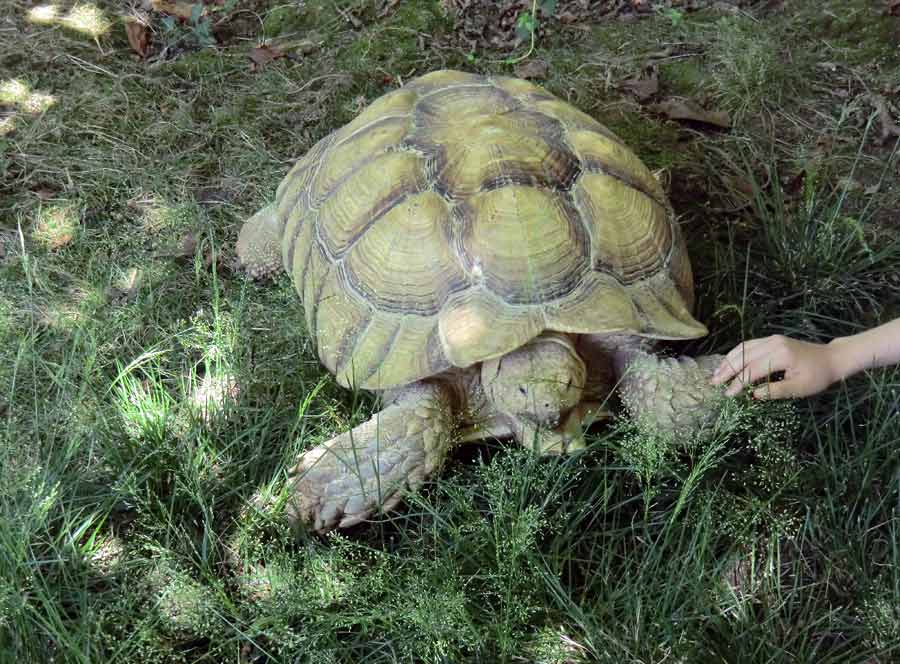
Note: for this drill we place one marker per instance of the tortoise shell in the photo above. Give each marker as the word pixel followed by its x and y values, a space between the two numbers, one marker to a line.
pixel 459 216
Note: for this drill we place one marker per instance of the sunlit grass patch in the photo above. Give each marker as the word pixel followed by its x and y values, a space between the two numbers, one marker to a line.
pixel 14 91
pixel 188 608
pixel 56 225
pixel 88 19
pixel 7 125
pixel 43 14
pixel 146 407
pixel 213 393
pixel 19 94
pixel 84 17
pixel 68 310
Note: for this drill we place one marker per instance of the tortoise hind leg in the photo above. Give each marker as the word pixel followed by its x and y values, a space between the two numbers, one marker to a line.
pixel 259 244
pixel 368 469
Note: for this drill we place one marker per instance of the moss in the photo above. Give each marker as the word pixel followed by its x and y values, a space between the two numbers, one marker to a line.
pixel 659 145
pixel 859 31
pixel 287 19
pixel 683 77
pixel 198 65
pixel 422 16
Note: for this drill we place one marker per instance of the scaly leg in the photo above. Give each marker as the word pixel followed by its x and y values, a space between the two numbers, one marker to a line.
pixel 259 244
pixel 368 469
pixel 671 396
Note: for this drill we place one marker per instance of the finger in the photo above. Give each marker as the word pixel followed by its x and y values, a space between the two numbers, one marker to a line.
pixel 739 357
pixel 782 389
pixel 754 371
pixel 752 351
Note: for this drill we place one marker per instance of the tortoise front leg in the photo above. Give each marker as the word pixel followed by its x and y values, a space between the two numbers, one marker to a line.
pixel 671 396
pixel 368 469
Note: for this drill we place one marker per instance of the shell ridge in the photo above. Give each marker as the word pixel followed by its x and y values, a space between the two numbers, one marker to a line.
pixel 309 204
pixel 385 118
pixel 596 168
pixel 385 352
pixel 342 253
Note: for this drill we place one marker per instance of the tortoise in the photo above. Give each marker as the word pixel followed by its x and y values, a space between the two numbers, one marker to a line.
pixel 494 263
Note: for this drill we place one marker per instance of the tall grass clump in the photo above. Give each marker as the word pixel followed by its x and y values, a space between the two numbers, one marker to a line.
pixel 810 263
pixel 748 66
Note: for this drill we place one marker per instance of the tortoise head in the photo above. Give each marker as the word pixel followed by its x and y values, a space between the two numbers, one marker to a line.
pixel 538 382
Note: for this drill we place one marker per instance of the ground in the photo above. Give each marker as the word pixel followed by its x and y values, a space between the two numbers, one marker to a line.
pixel 151 397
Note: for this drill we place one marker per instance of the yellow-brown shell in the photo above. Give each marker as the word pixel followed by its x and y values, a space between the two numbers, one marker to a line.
pixel 460 216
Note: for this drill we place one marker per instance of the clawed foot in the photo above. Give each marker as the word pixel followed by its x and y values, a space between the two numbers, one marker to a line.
pixel 368 469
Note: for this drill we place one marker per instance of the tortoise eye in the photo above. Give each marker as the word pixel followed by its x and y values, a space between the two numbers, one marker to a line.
pixel 523 390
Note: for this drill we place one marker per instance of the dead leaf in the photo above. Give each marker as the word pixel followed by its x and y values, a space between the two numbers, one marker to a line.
pixel 792 184
pixel 643 87
pixel 138 36
pixel 183 10
pixel 187 247
pixel 534 68
pixel 264 54
pixel 687 109
pixel 44 193
pixel 741 185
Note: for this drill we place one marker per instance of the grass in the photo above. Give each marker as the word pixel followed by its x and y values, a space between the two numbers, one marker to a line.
pixel 151 400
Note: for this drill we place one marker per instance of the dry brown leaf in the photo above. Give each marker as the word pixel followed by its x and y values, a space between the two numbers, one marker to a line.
pixel 264 54
pixel 643 87
pixel 687 109
pixel 44 193
pixel 138 36
pixel 177 8
pixel 533 68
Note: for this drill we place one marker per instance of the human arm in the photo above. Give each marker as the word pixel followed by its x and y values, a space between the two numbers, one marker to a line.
pixel 808 367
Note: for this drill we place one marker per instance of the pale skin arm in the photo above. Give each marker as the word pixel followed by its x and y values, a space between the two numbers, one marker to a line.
pixel 808 368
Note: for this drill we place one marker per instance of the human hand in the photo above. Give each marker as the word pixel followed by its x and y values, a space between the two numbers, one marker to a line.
pixel 808 367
